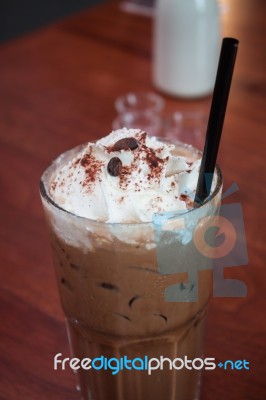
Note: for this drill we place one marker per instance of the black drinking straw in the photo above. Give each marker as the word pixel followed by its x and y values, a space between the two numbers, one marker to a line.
pixel 216 117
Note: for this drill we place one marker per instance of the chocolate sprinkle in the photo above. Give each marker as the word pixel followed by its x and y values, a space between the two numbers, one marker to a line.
pixel 161 316
pixel 131 301
pixel 114 166
pixel 125 144
pixel 109 286
pixel 183 197
pixel 123 316
pixel 152 159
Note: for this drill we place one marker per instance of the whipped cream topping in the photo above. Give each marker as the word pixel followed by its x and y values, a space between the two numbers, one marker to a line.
pixel 126 177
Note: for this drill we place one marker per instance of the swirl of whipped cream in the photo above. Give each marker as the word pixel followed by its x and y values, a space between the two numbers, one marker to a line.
pixel 126 177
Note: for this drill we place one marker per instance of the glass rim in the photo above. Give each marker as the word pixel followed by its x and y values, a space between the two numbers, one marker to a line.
pixel 45 194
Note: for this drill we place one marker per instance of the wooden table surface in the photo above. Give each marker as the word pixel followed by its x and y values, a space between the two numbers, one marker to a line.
pixel 57 89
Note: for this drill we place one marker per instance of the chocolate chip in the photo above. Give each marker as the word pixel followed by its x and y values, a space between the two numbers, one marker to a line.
pixel 109 286
pixel 125 144
pixel 114 166
pixel 66 284
pixel 74 266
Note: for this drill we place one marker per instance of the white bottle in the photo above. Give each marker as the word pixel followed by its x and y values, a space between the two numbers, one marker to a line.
pixel 186 46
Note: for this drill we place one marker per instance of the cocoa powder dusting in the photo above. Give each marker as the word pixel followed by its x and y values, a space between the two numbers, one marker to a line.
pixel 183 197
pixel 152 159
pixel 155 163
pixel 187 200
pixel 142 137
pixel 148 155
pixel 76 162
pixel 53 185
pixel 92 168
pixel 125 174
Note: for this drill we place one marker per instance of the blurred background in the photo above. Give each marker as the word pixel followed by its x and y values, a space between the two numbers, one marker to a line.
pixel 19 17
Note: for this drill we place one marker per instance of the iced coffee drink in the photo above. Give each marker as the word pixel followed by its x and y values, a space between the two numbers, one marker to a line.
pixel 133 283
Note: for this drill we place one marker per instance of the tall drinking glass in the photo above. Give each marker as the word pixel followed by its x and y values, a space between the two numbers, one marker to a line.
pixel 137 292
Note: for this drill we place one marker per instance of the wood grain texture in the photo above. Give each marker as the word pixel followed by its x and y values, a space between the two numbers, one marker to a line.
pixel 57 89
